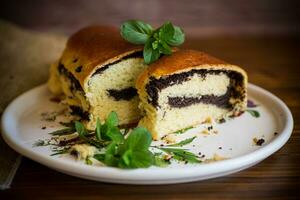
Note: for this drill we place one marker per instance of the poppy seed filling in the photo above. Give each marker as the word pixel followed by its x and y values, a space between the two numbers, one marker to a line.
pixel 157 85
pixel 123 94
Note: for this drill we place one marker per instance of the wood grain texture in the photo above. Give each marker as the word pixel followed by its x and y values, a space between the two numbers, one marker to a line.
pixel 198 17
pixel 272 63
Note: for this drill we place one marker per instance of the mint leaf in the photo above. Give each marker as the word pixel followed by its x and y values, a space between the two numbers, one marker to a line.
pixel 156 42
pixel 82 132
pixel 254 113
pixel 110 158
pixel 99 157
pixel 166 31
pixel 112 119
pixel 139 139
pixel 68 124
pixel 109 131
pixel 135 150
pixel 98 130
pixel 183 130
pixel 183 142
pixel 80 129
pixel 131 153
pixel 178 37
pixel 141 159
pixel 150 54
pixel 160 161
pixel 164 48
pixel 115 134
pixel 135 31
pixel 182 155
pixel 126 158
pixel 64 131
pixel 136 159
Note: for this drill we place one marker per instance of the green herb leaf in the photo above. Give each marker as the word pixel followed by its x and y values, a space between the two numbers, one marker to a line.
pixel 160 162
pixel 110 158
pixel 88 161
pixel 98 130
pixel 183 142
pixel 156 42
pixel 80 129
pixel 100 157
pixel 139 139
pixel 133 153
pixel 64 131
pixel 166 31
pixel 178 37
pixel 150 54
pixel 183 130
pixel 164 48
pixel 254 113
pixel 68 124
pixel 59 152
pixel 112 119
pixel 115 135
pixel 136 159
pixel 109 131
pixel 136 32
pixel 182 155
pixel 82 132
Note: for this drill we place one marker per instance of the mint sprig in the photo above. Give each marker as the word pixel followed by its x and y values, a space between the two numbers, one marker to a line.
pixel 133 153
pixel 156 42
pixel 116 150
pixel 109 131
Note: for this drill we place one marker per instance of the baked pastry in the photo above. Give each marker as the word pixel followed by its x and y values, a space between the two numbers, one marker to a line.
pixel 97 73
pixel 188 88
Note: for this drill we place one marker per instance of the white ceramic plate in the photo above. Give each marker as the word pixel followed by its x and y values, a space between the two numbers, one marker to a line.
pixel 21 127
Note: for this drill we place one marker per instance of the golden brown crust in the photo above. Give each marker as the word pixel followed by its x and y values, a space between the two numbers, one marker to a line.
pixel 183 60
pixel 92 48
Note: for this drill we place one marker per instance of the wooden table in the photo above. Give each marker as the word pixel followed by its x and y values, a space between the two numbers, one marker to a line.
pixel 273 63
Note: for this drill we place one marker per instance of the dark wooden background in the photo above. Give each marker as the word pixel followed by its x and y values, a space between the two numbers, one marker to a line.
pixel 262 36
pixel 198 17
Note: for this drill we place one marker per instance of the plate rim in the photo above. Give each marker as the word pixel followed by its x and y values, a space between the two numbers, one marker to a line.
pixel 157 175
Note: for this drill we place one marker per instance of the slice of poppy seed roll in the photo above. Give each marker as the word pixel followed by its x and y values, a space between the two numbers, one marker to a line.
pixel 97 73
pixel 188 88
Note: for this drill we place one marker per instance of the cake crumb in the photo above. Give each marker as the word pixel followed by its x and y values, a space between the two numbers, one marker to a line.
pixel 55 99
pixel 46 116
pixel 215 158
pixel 208 120
pixel 167 157
pixel 205 132
pixel 170 139
pixel 221 121
pixel 258 142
